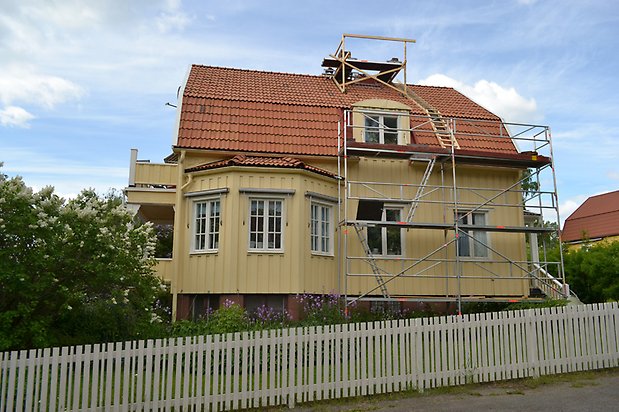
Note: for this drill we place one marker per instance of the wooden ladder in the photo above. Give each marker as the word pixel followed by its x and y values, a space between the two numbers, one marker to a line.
pixel 444 134
pixel 442 131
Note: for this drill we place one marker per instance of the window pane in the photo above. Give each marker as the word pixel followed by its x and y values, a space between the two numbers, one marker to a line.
pixel 391 122
pixel 394 241
pixel 394 234
pixel 214 225
pixel 256 224
pixel 463 239
pixel 372 136
pixel 375 242
pixel 325 229
pixel 314 227
pixel 481 238
pixel 372 129
pixel 200 226
pixel 392 215
pixel 463 244
pixel 390 131
pixel 372 121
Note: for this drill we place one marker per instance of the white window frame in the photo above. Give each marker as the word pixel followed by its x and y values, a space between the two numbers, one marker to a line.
pixel 380 127
pixel 209 229
pixel 265 225
pixel 471 238
pixel 329 236
pixel 383 232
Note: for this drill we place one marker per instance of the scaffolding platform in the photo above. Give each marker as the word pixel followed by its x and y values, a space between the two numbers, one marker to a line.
pixel 450 226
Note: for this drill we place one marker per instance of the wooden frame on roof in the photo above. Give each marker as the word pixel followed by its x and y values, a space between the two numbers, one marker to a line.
pixel 344 65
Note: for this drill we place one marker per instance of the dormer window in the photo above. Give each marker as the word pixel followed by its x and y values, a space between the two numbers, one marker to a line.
pixel 380 128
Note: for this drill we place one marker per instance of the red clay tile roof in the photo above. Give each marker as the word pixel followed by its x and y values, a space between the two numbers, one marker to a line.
pixel 597 217
pixel 265 112
pixel 261 161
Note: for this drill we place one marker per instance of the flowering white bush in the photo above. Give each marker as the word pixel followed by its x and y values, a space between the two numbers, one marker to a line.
pixel 71 271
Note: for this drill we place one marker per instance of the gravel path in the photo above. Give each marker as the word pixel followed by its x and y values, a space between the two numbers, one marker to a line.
pixel 592 391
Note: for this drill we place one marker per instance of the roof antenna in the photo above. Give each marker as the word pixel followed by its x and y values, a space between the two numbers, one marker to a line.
pixel 170 104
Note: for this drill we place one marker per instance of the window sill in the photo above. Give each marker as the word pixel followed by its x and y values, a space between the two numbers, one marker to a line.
pixel 265 252
pixel 474 259
pixel 203 252
pixel 321 254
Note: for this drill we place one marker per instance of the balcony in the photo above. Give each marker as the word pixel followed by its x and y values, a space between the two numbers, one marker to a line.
pixel 151 192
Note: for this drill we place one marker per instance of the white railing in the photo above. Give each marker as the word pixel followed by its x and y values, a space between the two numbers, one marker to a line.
pixel 257 369
pixel 549 285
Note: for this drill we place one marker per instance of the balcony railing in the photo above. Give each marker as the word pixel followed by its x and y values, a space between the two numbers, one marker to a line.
pixel 142 173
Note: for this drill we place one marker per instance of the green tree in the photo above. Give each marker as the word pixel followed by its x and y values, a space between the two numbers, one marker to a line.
pixel 72 272
pixel 593 272
pixel 528 185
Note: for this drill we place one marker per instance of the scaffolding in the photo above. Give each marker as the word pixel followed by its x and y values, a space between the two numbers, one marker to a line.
pixel 439 149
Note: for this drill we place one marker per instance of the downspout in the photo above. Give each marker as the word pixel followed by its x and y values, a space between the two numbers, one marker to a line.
pixel 178 219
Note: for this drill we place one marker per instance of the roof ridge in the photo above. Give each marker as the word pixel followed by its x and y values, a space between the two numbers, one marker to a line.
pixel 587 216
pixel 237 69
pixel 603 194
pixel 320 76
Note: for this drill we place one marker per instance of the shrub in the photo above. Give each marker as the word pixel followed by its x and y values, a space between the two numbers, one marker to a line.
pixel 322 309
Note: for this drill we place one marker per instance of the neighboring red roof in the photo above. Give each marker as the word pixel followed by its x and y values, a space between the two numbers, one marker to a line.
pixel 597 217
pixel 265 112
pixel 261 161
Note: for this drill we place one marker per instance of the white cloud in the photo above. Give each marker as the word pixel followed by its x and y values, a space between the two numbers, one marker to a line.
pixel 568 207
pixel 613 175
pixel 167 22
pixel 20 84
pixel 15 116
pixel 172 18
pixel 503 101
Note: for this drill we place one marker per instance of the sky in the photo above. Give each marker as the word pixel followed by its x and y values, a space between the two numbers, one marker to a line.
pixel 84 81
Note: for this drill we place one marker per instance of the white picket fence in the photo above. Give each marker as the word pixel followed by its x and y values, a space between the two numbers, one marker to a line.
pixel 289 366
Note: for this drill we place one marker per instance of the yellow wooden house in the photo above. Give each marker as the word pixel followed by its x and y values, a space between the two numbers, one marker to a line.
pixel 348 182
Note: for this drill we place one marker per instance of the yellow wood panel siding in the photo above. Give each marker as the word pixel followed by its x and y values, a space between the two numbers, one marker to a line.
pixel 164 270
pixel 235 270
pixel 419 243
pixel 152 198
pixel 270 272
pixel 578 246
pixel 204 272
pixel 319 273
pixel 155 174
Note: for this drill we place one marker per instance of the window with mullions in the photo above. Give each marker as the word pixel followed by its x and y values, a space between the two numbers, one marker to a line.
pixel 206 225
pixel 380 128
pixel 386 241
pixel 472 243
pixel 321 228
pixel 265 224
